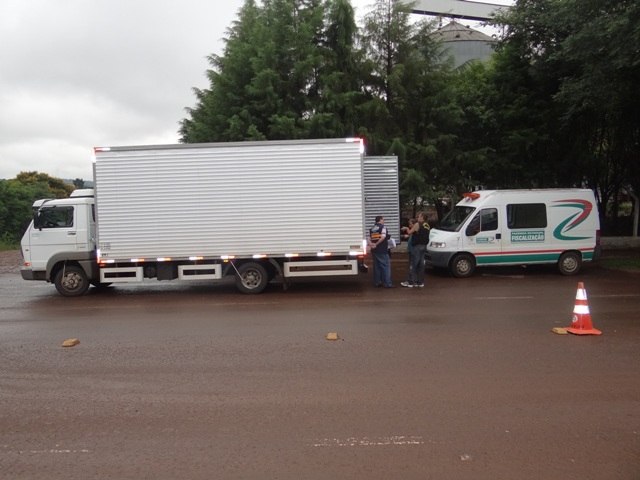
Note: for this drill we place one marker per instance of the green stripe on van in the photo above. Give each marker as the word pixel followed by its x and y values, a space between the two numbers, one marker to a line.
pixel 518 258
pixel 525 258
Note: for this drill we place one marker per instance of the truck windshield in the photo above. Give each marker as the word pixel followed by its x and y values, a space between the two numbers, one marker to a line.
pixel 452 222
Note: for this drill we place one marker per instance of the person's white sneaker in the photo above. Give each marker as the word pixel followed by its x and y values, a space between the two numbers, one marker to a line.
pixel 407 284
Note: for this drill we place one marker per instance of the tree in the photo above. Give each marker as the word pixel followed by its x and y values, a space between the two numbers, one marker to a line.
pixel 410 101
pixel 570 70
pixel 339 92
pixel 278 77
pixel 387 40
pixel 221 112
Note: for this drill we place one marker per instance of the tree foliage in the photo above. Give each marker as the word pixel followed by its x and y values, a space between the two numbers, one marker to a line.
pixel 577 68
pixel 556 106
pixel 17 196
pixel 288 71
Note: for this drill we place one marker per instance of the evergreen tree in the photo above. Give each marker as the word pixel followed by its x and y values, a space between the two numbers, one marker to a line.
pixel 222 112
pixel 568 73
pixel 268 83
pixel 410 100
pixel 339 91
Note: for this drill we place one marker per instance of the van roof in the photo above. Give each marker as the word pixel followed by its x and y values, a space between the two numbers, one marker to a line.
pixel 535 192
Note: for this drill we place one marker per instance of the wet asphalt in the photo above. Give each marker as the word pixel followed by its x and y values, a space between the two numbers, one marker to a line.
pixel 460 380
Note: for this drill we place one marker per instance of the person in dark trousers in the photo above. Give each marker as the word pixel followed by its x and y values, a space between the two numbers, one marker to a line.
pixel 419 239
pixel 379 243
pixel 407 237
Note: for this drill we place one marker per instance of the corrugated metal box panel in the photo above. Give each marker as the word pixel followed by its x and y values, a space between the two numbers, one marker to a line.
pixel 229 199
pixel 381 192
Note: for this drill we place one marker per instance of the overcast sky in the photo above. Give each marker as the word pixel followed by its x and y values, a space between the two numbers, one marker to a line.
pixel 75 74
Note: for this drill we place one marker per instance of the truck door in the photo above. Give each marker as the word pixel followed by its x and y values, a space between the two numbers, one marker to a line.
pixel 53 231
pixel 483 236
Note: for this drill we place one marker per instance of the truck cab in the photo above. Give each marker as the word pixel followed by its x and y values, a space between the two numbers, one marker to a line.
pixel 61 239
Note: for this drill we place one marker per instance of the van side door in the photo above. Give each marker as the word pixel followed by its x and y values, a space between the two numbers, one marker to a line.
pixel 528 235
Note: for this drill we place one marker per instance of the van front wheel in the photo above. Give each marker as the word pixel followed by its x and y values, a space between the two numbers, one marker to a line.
pixel 569 263
pixel 462 265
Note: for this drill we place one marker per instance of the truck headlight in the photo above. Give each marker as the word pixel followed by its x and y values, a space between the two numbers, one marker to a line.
pixel 438 245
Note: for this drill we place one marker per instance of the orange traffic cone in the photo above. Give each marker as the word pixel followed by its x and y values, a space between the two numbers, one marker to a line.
pixel 581 324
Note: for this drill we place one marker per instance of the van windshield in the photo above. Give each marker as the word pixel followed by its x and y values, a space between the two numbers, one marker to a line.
pixel 452 222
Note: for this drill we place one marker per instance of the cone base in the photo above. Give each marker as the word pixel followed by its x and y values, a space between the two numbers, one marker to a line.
pixel 582 331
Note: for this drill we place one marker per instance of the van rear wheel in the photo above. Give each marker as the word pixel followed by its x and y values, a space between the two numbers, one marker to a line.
pixel 569 263
pixel 71 281
pixel 462 265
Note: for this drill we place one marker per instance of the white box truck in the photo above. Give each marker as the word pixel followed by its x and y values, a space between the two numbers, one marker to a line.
pixel 252 210
pixel 517 227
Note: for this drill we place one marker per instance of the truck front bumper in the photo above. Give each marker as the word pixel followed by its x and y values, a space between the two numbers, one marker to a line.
pixel 29 274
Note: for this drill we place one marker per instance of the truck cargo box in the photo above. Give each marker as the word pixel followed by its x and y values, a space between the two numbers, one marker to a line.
pixel 381 193
pixel 243 199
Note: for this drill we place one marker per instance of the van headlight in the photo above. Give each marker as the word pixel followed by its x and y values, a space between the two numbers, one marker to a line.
pixel 438 245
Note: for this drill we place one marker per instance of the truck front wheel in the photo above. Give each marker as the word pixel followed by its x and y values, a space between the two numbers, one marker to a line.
pixel 71 281
pixel 252 278
pixel 462 265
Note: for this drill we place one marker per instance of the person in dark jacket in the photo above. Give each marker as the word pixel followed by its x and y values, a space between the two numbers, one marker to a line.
pixel 379 243
pixel 419 239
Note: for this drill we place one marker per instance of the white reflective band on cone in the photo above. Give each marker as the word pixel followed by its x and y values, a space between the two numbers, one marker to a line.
pixel 581 309
pixel 581 295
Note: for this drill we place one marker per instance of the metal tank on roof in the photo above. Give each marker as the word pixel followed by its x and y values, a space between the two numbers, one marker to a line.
pixel 465 44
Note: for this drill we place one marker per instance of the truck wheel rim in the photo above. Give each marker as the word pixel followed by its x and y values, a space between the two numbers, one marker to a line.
pixel 72 281
pixel 251 279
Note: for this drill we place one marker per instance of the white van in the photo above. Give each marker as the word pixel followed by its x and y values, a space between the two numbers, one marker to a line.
pixel 517 227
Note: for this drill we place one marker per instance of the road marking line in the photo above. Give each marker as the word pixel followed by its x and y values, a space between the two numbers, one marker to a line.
pixel 622 295
pixel 399 440
pixel 497 275
pixel 503 298
pixel 53 450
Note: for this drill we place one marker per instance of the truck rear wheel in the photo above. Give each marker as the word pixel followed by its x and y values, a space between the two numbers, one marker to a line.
pixel 569 263
pixel 462 265
pixel 71 281
pixel 252 278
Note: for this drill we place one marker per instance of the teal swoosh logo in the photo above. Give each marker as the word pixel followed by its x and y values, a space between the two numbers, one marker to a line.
pixel 572 221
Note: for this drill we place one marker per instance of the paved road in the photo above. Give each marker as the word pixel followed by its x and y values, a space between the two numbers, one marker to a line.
pixel 460 380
